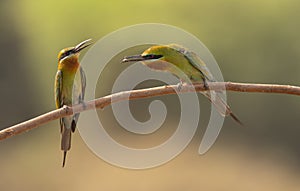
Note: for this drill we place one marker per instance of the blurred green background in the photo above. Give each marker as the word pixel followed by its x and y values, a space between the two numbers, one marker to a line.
pixel 253 41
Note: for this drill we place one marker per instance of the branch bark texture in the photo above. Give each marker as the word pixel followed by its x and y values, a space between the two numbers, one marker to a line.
pixel 143 93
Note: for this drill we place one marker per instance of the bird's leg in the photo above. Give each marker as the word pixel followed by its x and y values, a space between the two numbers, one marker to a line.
pixel 205 85
pixel 83 104
pixel 179 85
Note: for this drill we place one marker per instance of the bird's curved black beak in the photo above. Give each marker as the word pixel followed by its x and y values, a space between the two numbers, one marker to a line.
pixel 136 58
pixel 82 45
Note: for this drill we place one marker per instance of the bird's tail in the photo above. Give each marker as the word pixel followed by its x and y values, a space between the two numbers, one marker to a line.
pixel 221 105
pixel 65 143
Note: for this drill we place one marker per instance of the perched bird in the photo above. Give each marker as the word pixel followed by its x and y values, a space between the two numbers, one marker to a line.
pixel 69 89
pixel 184 64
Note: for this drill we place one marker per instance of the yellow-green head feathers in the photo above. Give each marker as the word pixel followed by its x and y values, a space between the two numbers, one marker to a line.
pixel 68 57
pixel 71 52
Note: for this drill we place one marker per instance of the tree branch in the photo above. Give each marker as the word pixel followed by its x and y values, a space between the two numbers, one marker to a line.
pixel 143 93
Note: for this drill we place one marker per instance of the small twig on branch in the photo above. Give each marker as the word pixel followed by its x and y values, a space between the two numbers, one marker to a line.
pixel 143 93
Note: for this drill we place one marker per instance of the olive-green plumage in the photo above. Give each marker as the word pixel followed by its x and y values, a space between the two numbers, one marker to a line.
pixel 69 89
pixel 184 64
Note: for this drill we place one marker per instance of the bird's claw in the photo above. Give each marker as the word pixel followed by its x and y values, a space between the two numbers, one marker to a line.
pixel 83 104
pixel 205 85
pixel 180 85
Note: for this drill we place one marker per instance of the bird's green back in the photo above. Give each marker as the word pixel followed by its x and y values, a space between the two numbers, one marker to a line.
pixel 194 60
pixel 187 61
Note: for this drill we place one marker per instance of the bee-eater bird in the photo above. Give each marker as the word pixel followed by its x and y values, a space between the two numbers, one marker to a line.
pixel 69 90
pixel 184 64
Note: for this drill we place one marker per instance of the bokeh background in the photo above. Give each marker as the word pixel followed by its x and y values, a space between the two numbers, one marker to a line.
pixel 253 41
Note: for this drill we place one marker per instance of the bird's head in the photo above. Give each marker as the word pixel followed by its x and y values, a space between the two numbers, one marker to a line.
pixel 151 54
pixel 157 53
pixel 72 53
pixel 165 58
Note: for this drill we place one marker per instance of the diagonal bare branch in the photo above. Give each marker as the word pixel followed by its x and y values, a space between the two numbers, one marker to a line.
pixel 143 93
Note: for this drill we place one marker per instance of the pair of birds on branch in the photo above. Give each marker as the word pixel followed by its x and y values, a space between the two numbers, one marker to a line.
pixel 70 87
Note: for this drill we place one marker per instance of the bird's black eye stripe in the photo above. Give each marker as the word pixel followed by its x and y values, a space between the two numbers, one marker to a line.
pixel 65 54
pixel 152 56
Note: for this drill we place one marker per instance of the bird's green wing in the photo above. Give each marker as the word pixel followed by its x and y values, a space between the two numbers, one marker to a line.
pixel 83 84
pixel 198 64
pixel 80 98
pixel 58 89
pixel 195 61
pixel 58 94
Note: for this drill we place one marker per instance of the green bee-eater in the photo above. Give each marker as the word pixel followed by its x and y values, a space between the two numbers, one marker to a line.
pixel 188 65
pixel 69 90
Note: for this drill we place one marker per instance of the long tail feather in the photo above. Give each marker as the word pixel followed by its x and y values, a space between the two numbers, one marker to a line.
pixel 235 118
pixel 221 106
pixel 65 143
pixel 64 158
